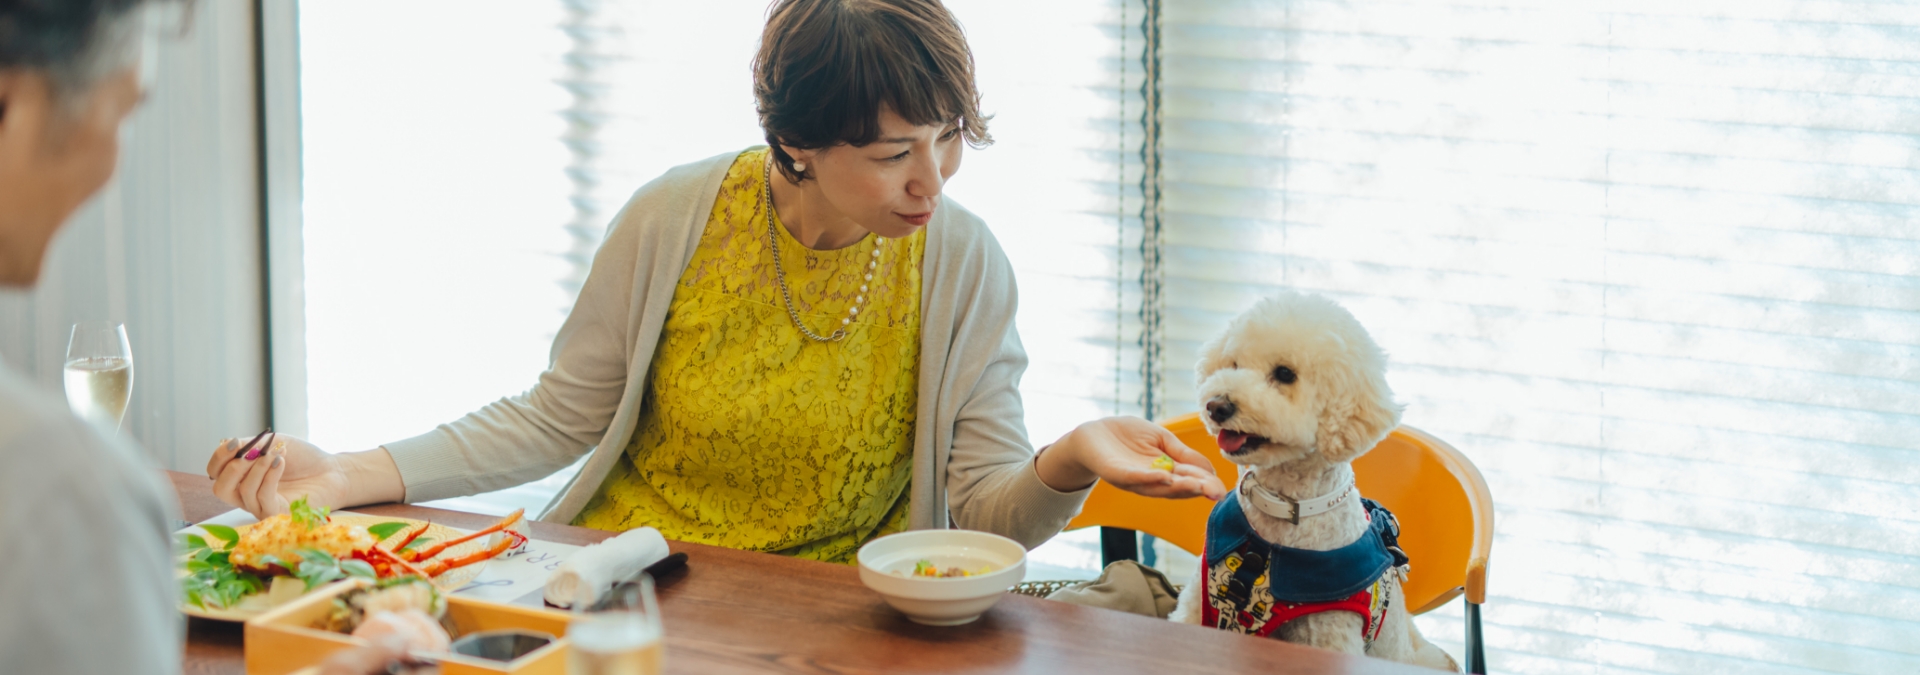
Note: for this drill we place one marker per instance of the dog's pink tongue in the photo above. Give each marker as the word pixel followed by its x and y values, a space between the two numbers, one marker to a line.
pixel 1230 440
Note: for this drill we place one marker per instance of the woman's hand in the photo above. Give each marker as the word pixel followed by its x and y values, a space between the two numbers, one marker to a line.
pixel 1121 451
pixel 291 468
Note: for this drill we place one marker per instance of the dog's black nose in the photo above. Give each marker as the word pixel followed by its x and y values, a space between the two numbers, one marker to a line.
pixel 1220 409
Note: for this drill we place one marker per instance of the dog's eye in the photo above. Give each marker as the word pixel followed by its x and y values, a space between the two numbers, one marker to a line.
pixel 1284 375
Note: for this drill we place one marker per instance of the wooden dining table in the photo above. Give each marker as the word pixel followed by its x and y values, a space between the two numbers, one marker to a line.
pixel 732 611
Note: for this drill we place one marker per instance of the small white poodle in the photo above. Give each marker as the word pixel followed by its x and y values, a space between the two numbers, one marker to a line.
pixel 1295 389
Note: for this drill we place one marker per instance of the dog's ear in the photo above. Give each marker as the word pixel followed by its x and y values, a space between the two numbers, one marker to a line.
pixel 1359 409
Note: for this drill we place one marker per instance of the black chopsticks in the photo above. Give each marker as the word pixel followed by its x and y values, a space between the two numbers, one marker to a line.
pixel 268 434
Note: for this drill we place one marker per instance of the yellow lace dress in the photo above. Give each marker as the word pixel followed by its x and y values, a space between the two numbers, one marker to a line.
pixel 752 436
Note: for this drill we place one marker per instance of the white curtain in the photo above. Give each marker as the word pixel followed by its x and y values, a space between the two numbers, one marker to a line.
pixel 1652 265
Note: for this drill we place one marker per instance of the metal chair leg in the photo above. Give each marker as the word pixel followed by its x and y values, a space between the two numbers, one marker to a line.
pixel 1118 544
pixel 1476 649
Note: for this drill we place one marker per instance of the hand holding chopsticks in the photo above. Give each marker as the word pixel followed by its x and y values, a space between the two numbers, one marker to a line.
pixel 263 475
pixel 248 450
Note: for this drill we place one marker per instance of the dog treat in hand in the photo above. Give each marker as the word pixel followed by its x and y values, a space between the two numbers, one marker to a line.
pixel 1164 463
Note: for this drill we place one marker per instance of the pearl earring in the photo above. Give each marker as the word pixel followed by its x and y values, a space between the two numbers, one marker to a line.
pixel 799 167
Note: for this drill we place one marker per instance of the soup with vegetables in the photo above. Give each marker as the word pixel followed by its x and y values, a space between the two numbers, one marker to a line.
pixel 924 568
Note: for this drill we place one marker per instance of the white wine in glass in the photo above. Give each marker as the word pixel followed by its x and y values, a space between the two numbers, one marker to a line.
pixel 624 639
pixel 99 375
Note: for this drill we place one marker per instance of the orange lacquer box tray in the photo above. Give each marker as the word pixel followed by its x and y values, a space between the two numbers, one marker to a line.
pixel 285 640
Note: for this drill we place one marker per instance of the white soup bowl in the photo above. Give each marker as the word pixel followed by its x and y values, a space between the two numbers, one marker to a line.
pixel 886 566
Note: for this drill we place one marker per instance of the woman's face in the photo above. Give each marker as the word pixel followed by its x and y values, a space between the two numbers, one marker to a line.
pixel 54 154
pixel 892 186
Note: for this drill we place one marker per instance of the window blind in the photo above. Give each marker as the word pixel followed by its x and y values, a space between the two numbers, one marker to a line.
pixel 654 84
pixel 1651 265
pixel 1060 189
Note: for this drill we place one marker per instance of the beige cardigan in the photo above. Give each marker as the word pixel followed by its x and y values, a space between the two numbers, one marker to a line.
pixel 972 464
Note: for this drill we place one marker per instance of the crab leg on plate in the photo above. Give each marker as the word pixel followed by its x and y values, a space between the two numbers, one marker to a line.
pixel 409 536
pixel 390 562
pixel 439 567
pixel 512 519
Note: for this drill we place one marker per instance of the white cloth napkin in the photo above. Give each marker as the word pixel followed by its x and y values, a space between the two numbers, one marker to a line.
pixel 596 568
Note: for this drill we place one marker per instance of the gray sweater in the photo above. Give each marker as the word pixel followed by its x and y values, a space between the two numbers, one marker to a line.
pixel 972 464
pixel 86 569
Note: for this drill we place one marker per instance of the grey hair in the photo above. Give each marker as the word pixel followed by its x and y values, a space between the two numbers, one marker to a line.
pixel 75 43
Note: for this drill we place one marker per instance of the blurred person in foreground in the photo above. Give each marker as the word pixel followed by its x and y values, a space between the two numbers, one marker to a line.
pixel 86 582
pixel 86 576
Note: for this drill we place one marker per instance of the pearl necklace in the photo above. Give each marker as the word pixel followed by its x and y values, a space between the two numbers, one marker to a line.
pixel 780 274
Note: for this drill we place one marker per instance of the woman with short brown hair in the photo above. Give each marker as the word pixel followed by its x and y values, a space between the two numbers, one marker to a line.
pixel 793 348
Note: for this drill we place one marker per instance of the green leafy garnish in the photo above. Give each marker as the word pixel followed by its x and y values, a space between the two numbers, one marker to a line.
pixel 358 568
pixel 223 533
pixel 318 567
pixel 384 530
pixel 304 514
pixel 410 545
pixel 211 579
pixel 218 585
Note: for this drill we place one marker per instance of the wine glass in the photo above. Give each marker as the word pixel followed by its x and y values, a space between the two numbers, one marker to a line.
pixel 99 373
pixel 620 637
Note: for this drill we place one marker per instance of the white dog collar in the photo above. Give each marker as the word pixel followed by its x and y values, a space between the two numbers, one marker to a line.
pixel 1287 509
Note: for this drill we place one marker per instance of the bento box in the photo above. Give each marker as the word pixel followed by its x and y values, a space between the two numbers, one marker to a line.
pixel 289 639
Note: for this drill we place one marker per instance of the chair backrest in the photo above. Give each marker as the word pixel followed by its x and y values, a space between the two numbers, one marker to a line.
pixel 1444 508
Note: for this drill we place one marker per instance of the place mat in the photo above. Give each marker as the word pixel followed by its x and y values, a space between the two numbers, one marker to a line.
pixel 511 576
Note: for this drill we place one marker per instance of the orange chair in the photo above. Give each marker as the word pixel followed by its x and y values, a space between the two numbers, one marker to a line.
pixel 1442 503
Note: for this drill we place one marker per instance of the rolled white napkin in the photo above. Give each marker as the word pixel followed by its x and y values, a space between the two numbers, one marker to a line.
pixel 596 568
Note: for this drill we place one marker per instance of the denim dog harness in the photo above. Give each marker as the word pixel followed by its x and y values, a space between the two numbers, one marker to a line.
pixel 1254 587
